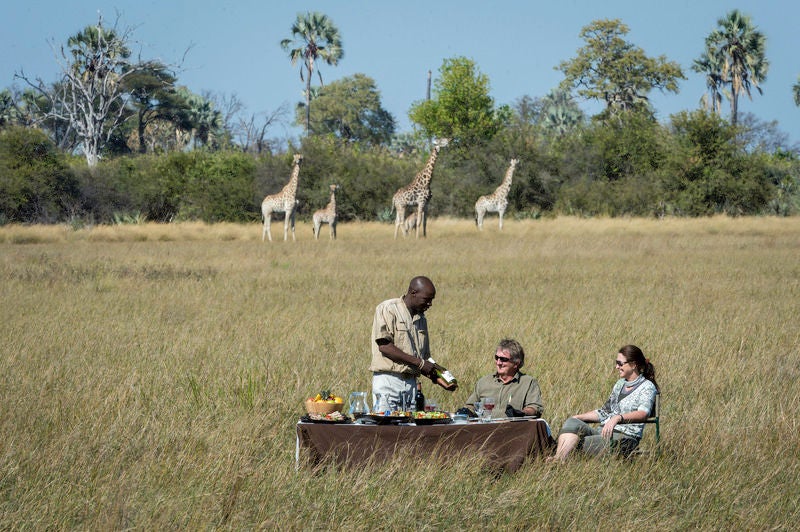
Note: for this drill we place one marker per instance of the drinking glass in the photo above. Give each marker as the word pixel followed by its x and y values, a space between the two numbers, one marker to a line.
pixel 488 406
pixel 479 409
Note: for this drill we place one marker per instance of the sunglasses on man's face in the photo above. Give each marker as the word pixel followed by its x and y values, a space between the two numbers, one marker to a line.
pixel 504 360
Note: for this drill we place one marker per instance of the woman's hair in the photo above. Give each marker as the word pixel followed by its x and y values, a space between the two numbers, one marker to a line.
pixel 514 349
pixel 635 356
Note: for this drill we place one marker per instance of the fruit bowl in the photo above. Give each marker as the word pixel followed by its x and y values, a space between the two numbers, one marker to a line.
pixel 322 407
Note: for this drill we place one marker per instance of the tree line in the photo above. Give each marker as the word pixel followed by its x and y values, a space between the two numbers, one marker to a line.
pixel 151 149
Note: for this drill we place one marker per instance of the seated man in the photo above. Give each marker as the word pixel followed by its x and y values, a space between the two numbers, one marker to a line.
pixel 515 394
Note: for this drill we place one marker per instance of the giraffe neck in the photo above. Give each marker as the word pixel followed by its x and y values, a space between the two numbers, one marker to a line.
pixel 290 190
pixel 424 177
pixel 505 186
pixel 332 202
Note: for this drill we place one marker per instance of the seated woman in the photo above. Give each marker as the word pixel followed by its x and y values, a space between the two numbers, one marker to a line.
pixel 631 400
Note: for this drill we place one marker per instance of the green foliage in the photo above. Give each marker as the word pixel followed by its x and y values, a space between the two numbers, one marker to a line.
pixel 367 177
pixel 154 97
pixel 615 71
pixel 314 37
pixel 461 108
pixel 350 109
pixel 626 165
pixel 735 55
pixel 218 188
pixel 35 183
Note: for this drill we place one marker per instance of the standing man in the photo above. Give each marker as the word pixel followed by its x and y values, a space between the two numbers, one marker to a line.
pixel 400 348
pixel 515 393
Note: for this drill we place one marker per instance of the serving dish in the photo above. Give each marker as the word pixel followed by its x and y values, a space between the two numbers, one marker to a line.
pixel 382 419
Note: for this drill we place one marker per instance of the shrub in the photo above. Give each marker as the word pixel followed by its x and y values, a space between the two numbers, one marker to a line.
pixel 35 183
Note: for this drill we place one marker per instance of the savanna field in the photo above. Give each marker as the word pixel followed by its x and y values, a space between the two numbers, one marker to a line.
pixel 152 375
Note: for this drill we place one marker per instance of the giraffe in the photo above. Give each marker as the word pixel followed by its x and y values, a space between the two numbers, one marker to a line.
pixel 283 201
pixel 417 193
pixel 327 215
pixel 497 201
pixel 410 222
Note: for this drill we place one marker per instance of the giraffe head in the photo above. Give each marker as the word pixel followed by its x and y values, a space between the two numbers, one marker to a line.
pixel 298 158
pixel 334 188
pixel 513 163
pixel 441 143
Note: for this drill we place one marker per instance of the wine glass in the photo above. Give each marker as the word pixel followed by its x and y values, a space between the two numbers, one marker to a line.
pixel 488 406
pixel 479 409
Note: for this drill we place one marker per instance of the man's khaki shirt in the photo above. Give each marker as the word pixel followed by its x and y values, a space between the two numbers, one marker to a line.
pixel 393 322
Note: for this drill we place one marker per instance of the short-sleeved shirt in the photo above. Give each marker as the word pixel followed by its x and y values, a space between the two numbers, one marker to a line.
pixel 520 392
pixel 393 322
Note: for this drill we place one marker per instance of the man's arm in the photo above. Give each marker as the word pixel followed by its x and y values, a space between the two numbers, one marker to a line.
pixel 395 354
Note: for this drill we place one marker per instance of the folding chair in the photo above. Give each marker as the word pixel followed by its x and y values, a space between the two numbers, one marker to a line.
pixel 654 418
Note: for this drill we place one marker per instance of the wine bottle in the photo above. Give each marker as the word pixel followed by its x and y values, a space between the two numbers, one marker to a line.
pixel 419 398
pixel 443 373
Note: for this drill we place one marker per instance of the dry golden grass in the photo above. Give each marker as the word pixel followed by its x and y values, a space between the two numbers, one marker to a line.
pixel 152 375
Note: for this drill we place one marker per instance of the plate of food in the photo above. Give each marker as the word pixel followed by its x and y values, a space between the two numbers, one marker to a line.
pixel 397 416
pixel 432 418
pixel 332 417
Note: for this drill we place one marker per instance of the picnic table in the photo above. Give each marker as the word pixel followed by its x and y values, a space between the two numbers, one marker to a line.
pixel 504 444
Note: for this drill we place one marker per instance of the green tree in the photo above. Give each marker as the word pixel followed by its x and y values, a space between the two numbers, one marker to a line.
pixel 314 37
pixel 351 109
pixel 8 109
pixel 461 107
pixel 710 64
pixel 36 185
pixel 738 49
pixel 796 91
pixel 204 120
pixel 153 97
pixel 91 96
pixel 708 173
pixel 613 70
pixel 560 114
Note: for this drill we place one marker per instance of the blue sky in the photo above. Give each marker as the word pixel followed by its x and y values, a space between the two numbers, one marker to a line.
pixel 233 47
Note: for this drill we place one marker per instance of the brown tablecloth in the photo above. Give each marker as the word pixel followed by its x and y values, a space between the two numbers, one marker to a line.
pixel 504 445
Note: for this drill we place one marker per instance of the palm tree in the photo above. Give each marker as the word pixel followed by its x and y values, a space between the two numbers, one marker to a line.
pixel 739 47
pixel 313 37
pixel 709 64
pixel 560 114
pixel 94 50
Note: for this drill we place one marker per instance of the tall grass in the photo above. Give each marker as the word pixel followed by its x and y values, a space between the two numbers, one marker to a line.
pixel 152 375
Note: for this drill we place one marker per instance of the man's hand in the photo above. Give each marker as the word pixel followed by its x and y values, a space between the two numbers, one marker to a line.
pixel 513 412
pixel 427 369
pixel 449 387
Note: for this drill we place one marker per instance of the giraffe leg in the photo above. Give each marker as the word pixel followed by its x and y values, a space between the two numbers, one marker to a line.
pixel 479 220
pixel 291 222
pixel 399 219
pixel 333 229
pixel 501 212
pixel 266 231
pixel 317 223
pixel 420 220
